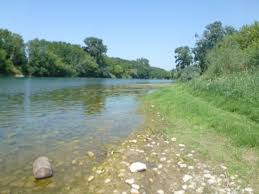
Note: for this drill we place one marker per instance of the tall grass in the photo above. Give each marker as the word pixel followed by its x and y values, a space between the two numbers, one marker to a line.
pixel 237 92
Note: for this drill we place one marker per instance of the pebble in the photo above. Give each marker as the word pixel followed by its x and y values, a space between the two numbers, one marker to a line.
pixel 163 159
pixel 181 145
pixel 223 167
pixel 130 181
pixel 160 192
pixel 134 191
pixel 186 178
pixel 135 186
pixel 90 178
pixel 90 154
pixel 199 190
pixel 107 181
pixel 248 189
pixel 137 167
pixel 184 187
pixel 179 192
pixel 73 162
pixel 173 139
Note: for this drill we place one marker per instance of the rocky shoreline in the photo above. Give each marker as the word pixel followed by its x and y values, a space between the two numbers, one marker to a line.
pixel 172 167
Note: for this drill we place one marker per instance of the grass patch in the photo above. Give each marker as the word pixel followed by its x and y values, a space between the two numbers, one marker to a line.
pixel 220 135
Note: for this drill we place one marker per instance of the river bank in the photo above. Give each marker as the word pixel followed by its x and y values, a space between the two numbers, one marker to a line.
pixel 181 156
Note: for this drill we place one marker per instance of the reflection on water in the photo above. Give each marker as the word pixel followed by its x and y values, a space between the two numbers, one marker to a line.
pixel 62 118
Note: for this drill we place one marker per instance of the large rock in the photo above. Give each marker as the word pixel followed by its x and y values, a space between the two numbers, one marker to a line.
pixel 42 168
pixel 138 167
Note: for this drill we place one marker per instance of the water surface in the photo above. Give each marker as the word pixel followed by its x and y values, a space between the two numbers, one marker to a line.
pixel 63 119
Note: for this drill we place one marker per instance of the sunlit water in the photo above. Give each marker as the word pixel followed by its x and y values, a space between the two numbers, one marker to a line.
pixel 63 119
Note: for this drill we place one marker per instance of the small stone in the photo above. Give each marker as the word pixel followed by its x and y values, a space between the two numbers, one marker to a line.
pixel 199 190
pixel 181 145
pixel 173 139
pixel 99 171
pixel 179 192
pixel 90 178
pixel 135 186
pixel 160 166
pixel 137 167
pixel 190 167
pixel 134 191
pixel 163 159
pixel 189 155
pixel 90 154
pixel 73 162
pixel 107 181
pixel 211 181
pixel 184 187
pixel 160 191
pixel 223 167
pixel 130 181
pixel 248 189
pixel 42 168
pixel 186 178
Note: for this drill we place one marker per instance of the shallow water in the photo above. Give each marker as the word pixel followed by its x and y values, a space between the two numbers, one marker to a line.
pixel 63 119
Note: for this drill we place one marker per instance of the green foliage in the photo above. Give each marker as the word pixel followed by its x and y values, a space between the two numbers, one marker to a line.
pixel 188 73
pixel 213 33
pixel 139 69
pixel 52 59
pixel 12 53
pixel 183 57
pixel 58 59
pixel 235 53
pixel 96 48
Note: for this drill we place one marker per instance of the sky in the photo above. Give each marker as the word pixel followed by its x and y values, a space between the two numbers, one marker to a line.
pixel 130 28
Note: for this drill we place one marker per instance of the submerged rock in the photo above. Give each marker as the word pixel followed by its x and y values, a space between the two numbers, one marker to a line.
pixel 42 168
pixel 138 167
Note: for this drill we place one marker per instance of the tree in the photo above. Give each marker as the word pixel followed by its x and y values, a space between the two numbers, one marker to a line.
pixel 96 48
pixel 183 57
pixel 13 58
pixel 211 36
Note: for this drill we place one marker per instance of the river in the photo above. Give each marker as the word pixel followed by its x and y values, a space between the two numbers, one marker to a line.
pixel 63 119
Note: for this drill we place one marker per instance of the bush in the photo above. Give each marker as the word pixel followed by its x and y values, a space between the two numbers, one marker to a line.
pixel 188 73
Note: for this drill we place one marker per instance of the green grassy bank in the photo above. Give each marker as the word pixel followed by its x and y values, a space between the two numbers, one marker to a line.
pixel 219 118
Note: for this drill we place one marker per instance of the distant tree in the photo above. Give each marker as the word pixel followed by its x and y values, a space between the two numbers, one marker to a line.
pixel 183 57
pixel 96 48
pixel 12 47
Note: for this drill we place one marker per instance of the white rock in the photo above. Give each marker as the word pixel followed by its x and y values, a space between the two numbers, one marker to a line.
pixel 223 167
pixel 163 159
pixel 184 187
pixel 130 181
pixel 90 154
pixel 173 139
pixel 199 190
pixel 107 181
pixel 179 192
pixel 160 191
pixel 211 181
pixel 137 167
pixel 134 191
pixel 190 167
pixel 160 166
pixel 248 189
pixel 181 145
pixel 186 178
pixel 135 186
pixel 90 178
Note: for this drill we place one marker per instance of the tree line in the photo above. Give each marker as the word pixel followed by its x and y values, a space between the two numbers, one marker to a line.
pixel 218 51
pixel 44 58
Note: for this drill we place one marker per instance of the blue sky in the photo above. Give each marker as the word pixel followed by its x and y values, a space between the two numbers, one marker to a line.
pixel 130 28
